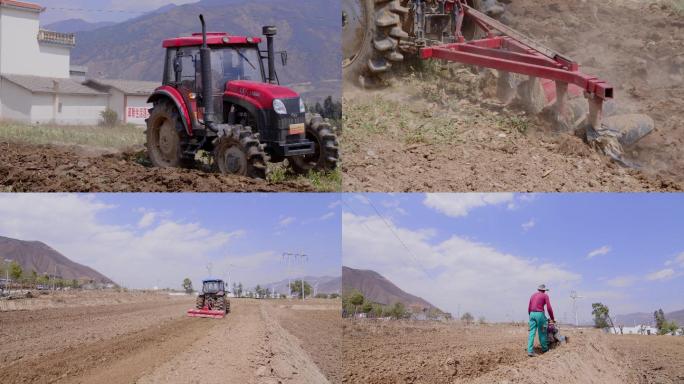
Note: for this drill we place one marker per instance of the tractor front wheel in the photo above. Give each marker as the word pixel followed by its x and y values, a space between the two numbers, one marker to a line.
pixel 240 153
pixel 199 303
pixel 326 154
pixel 164 136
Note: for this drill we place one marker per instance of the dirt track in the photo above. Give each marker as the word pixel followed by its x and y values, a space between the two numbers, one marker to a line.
pixel 152 343
pixel 447 132
pixel 376 352
pixel 49 168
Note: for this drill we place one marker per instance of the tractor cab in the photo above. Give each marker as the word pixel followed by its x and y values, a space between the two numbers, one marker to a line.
pixel 212 286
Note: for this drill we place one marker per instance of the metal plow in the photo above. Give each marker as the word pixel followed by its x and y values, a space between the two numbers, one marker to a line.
pixel 547 82
pixel 206 312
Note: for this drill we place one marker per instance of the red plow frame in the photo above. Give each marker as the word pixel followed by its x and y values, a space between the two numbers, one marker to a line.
pixel 513 52
pixel 206 312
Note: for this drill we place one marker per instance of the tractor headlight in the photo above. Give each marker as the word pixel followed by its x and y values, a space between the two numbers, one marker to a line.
pixel 279 107
pixel 302 107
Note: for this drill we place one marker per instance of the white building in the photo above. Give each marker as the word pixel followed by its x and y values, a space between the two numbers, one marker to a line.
pixel 635 330
pixel 38 85
pixel 127 98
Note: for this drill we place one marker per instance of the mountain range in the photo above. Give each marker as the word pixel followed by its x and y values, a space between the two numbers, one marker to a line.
pixel 644 318
pixel 76 25
pixel 323 284
pixel 379 289
pixel 38 256
pixel 132 49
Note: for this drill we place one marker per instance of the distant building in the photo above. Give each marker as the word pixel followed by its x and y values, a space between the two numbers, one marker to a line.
pixel 38 84
pixel 635 330
pixel 128 98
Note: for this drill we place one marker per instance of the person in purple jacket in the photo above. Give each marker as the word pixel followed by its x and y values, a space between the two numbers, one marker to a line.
pixel 538 323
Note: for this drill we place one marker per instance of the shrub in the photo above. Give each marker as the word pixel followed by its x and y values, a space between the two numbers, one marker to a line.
pixel 109 117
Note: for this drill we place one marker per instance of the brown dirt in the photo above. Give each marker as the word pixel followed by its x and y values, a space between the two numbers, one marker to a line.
pixel 656 359
pixel 443 129
pixel 318 325
pixel 148 342
pixel 377 352
pixel 52 168
pixel 637 46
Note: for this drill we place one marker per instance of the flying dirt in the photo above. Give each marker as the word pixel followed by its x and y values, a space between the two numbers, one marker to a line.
pixel 428 352
pixel 149 339
pixel 434 111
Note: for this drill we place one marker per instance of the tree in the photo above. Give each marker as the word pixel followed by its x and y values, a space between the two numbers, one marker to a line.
pixel 399 311
pixel 334 295
pixel 258 290
pixel 15 270
pixel 659 316
pixel 321 296
pixel 467 318
pixel 296 287
pixel 187 285
pixel 601 315
pixel 74 283
pixel 367 307
pixel 669 328
pixel 239 290
pixel 356 299
pixel 482 320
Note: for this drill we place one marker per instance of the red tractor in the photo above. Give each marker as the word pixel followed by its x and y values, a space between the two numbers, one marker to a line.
pixel 218 96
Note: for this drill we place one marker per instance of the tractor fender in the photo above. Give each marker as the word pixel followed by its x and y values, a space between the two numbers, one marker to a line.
pixel 260 115
pixel 176 97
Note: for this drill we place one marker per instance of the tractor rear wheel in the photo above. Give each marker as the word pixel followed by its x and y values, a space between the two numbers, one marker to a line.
pixel 326 154
pixel 371 32
pixel 227 306
pixel 199 303
pixel 240 153
pixel 165 135
pixel 374 30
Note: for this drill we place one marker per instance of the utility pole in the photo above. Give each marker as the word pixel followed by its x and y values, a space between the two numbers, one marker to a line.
pixel 290 259
pixel 7 286
pixel 574 297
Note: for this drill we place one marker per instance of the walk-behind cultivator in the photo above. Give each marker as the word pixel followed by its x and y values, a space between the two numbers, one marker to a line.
pixel 378 33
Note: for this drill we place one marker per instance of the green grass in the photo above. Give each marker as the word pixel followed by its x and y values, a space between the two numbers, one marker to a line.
pixel 330 181
pixel 119 137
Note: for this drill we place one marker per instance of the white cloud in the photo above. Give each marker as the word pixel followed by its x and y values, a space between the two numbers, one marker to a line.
pixel 677 261
pixel 449 273
pixel 335 203
pixel 284 222
pixel 164 252
pixel 622 281
pixel 528 225
pixel 459 204
pixel 663 274
pixel 147 219
pixel 598 252
pixel 327 216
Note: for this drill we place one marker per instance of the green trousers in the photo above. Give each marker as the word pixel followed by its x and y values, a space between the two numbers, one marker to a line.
pixel 537 324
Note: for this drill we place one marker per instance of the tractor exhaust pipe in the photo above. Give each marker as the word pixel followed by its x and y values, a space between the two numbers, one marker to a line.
pixel 207 94
pixel 269 31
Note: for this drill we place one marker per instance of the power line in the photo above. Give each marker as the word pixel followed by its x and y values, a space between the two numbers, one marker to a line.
pixel 96 10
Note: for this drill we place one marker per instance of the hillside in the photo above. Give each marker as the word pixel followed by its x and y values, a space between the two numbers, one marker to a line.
pixel 132 49
pixel 76 25
pixel 648 319
pixel 39 257
pixel 377 288
pixel 326 284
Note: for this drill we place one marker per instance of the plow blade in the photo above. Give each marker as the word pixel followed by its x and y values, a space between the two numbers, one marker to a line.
pixel 210 313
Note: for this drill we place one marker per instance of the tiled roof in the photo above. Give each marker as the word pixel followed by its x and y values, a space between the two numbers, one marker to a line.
pixel 21 4
pixel 129 87
pixel 37 84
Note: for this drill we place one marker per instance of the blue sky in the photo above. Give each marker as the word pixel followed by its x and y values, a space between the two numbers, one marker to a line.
pixel 487 253
pixel 143 240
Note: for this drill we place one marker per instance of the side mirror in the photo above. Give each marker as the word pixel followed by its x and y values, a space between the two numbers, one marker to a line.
pixel 283 57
